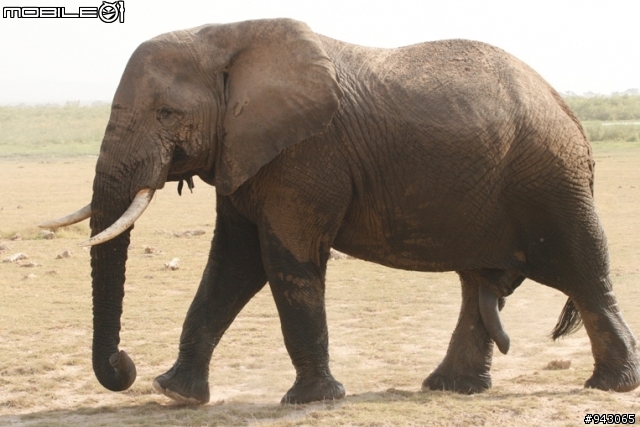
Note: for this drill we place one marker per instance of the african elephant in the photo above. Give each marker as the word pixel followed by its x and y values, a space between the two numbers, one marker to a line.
pixel 442 156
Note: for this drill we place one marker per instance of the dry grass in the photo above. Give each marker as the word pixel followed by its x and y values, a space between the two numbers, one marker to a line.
pixel 388 329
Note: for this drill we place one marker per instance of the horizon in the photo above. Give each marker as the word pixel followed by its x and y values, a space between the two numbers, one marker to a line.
pixel 99 103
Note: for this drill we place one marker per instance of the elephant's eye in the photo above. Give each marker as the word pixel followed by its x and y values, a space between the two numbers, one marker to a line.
pixel 163 113
pixel 166 116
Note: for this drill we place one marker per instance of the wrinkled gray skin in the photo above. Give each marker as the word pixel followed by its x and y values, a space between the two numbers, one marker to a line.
pixel 450 155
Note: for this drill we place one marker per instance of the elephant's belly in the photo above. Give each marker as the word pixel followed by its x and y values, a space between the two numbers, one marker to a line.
pixel 414 248
pixel 408 260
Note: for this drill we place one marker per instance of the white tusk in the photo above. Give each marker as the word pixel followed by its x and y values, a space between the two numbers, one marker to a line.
pixel 137 207
pixel 77 216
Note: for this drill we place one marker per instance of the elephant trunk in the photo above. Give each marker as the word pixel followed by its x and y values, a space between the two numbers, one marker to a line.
pixel 113 368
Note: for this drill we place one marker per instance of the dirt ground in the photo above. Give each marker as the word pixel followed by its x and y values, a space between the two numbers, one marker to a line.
pixel 388 328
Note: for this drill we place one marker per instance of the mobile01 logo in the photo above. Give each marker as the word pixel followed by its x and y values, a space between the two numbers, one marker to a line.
pixel 107 12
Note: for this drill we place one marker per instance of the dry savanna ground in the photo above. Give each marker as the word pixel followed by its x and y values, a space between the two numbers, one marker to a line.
pixel 388 328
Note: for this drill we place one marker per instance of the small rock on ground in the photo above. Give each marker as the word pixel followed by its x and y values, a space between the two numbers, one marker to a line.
pixel 174 264
pixel 65 254
pixel 558 364
pixel 47 234
pixel 15 257
pixel 190 233
pixel 28 264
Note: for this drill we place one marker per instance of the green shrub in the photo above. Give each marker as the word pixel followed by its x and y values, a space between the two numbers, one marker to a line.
pixel 606 108
pixel 598 131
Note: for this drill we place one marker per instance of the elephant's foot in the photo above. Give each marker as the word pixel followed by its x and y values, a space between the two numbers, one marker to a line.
pixel 439 380
pixel 183 387
pixel 305 391
pixel 615 378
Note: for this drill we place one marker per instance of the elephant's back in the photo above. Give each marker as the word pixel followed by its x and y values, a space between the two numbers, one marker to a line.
pixel 456 95
pixel 455 65
pixel 442 81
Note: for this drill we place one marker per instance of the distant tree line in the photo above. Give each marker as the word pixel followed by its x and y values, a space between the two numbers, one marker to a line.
pixel 73 129
pixel 606 108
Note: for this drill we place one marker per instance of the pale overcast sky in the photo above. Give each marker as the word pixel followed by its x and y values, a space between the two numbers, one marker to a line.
pixel 577 46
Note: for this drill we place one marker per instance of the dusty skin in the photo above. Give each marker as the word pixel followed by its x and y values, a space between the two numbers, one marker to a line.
pixel 383 342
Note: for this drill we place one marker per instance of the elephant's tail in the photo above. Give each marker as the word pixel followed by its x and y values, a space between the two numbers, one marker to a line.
pixel 568 322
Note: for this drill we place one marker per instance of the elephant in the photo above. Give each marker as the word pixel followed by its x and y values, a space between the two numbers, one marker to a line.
pixel 448 155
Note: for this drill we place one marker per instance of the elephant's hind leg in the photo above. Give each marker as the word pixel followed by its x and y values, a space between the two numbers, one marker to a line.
pixel 615 349
pixel 574 260
pixel 466 366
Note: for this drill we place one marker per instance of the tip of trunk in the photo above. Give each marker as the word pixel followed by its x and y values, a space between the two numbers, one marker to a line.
pixel 119 374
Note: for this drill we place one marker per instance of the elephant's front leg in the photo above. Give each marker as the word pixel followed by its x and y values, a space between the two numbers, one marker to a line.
pixel 233 275
pixel 298 290
pixel 466 366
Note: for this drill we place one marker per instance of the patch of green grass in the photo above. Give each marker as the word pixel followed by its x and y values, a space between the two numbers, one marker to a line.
pixel 69 130
pixel 77 231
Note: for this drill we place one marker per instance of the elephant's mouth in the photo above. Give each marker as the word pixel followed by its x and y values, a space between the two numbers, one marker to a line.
pixel 137 207
pixel 179 176
pixel 179 164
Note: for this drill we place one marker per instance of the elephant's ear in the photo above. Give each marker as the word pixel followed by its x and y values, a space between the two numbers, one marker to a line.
pixel 282 89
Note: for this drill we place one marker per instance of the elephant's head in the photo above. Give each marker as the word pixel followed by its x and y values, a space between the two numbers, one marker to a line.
pixel 217 101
